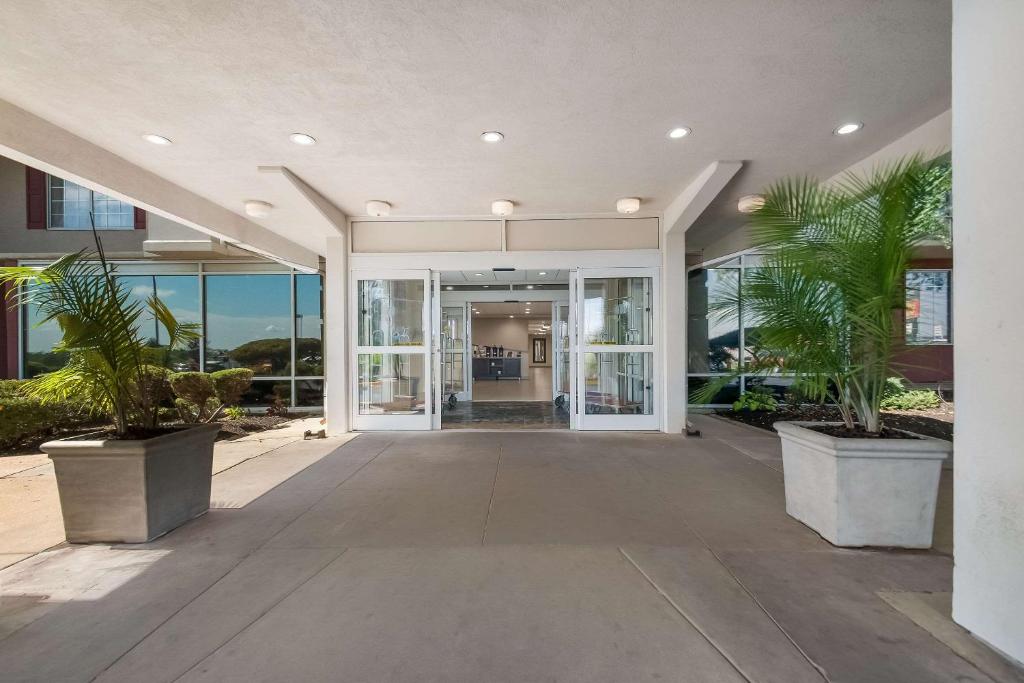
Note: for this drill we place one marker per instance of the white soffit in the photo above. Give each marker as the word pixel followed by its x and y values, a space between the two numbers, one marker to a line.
pixel 397 94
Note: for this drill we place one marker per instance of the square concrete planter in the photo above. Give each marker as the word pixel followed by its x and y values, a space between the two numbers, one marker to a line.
pixel 132 491
pixel 862 492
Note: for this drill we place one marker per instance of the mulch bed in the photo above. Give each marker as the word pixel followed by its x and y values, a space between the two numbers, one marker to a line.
pixel 232 429
pixel 936 423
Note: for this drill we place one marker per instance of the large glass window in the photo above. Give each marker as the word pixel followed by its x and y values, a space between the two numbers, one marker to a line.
pixel 309 326
pixel 180 293
pixel 928 303
pixel 70 205
pixel 248 323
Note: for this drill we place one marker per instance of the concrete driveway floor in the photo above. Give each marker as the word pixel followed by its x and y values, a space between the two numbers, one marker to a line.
pixel 478 557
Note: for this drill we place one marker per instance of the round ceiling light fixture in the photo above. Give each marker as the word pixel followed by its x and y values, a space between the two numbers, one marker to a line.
pixel 543 272
pixel 677 133
pixel 848 128
pixel 492 136
pixel 750 203
pixel 377 208
pixel 449 288
pixel 502 207
pixel 303 139
pixel 628 205
pixel 156 139
pixel 257 208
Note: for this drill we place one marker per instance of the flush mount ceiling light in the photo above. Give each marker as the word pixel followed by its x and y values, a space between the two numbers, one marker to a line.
pixel 257 208
pixel 750 203
pixel 511 316
pixel 492 136
pixel 502 207
pixel 628 205
pixel 156 139
pixel 677 133
pixel 377 208
pixel 848 128
pixel 302 139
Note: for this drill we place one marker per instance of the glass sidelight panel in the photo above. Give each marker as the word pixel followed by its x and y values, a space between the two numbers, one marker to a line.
pixel 392 384
pixel 618 383
pixel 453 344
pixel 618 311
pixel 390 312
pixel 561 336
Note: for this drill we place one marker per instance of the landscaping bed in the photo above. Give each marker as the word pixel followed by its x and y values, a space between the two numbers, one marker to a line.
pixel 937 422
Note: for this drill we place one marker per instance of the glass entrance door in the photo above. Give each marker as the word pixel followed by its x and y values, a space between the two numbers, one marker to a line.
pixel 564 360
pixel 616 350
pixel 391 366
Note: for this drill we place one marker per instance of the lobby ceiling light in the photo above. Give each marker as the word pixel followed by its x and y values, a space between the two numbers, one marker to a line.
pixel 750 203
pixel 848 128
pixel 449 288
pixel 502 207
pixel 492 136
pixel 529 286
pixel 628 205
pixel 156 139
pixel 257 208
pixel 677 133
pixel 511 316
pixel 478 274
pixel 543 272
pixel 377 208
pixel 302 139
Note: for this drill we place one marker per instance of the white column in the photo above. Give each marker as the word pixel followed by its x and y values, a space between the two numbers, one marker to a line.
pixel 673 331
pixel 336 360
pixel 988 315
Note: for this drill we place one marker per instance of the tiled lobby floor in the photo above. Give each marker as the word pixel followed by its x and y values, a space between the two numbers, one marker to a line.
pixel 504 415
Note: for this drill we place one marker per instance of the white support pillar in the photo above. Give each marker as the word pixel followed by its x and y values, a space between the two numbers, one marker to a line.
pixel 336 360
pixel 988 145
pixel 673 316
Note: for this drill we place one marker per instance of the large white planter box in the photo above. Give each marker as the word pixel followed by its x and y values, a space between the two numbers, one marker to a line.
pixel 126 491
pixel 862 492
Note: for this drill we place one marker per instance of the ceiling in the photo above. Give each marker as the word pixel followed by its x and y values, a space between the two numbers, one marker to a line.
pixel 538 310
pixel 397 94
pixel 488 276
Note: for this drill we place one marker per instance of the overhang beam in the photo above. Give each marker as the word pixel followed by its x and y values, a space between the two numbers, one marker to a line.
pixel 687 207
pixel 33 141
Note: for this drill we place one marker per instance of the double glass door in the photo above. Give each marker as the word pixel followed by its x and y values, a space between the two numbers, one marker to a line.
pixel 409 353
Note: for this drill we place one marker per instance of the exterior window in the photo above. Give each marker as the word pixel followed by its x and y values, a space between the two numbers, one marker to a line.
pixel 180 293
pixel 248 323
pixel 928 314
pixel 70 205
pixel 309 322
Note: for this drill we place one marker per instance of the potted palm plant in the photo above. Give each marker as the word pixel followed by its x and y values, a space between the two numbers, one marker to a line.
pixel 824 305
pixel 138 479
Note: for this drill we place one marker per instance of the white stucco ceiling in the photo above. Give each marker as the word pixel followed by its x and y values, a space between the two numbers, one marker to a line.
pixel 397 93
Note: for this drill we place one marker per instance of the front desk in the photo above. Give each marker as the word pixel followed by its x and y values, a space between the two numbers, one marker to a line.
pixel 497 368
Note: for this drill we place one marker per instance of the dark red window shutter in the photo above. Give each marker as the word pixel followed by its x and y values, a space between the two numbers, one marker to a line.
pixel 140 218
pixel 35 197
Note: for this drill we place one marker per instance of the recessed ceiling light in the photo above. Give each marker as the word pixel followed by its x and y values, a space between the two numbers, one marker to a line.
pixel 486 286
pixel 302 139
pixel 478 274
pixel 543 272
pixel 511 316
pixel 257 208
pixel 156 139
pixel 529 286
pixel 680 132
pixel 449 288
pixel 377 208
pixel 492 136
pixel 848 128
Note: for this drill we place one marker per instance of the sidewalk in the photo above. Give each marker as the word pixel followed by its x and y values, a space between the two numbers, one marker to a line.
pixel 30 519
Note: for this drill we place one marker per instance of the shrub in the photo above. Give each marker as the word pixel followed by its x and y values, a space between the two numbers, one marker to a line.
pixel 23 417
pixel 195 391
pixel 235 413
pixel 756 398
pixel 231 384
pixel 919 399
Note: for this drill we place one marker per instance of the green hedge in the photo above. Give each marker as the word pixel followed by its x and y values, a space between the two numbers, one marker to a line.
pixel 23 419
